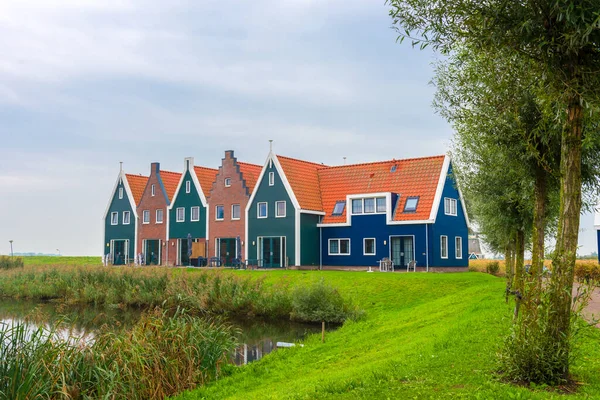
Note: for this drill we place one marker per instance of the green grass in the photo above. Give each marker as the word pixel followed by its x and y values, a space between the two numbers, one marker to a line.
pixel 424 336
pixel 61 260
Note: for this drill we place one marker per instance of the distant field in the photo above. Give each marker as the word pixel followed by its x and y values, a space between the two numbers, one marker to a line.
pixel 479 265
pixel 61 260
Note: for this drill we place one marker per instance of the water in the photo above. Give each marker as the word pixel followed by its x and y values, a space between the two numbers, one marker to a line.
pixel 259 337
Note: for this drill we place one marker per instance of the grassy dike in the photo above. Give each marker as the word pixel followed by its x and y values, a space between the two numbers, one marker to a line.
pixel 425 336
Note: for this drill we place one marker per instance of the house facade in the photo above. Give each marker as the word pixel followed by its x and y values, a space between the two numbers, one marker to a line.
pixel 188 224
pixel 282 214
pixel 407 211
pixel 228 199
pixel 120 218
pixel 153 216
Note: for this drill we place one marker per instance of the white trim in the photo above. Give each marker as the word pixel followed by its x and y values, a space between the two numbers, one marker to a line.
pixel 442 247
pixel 412 222
pixel 374 247
pixel 153 190
pixel 258 210
pixel 462 203
pixel 458 247
pixel 452 204
pixel 188 186
pixel 284 209
pixel 156 216
pixel 121 178
pixel 192 219
pixel 313 212
pixel 440 188
pixel 297 244
pixel 143 215
pixel 240 212
pixel 112 218
pixel 271 178
pixel 120 193
pixel 225 182
pixel 177 211
pixel 339 247
pixel 123 218
pixel 217 213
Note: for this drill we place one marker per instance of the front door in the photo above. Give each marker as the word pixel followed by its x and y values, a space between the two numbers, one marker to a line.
pixel 184 258
pixel 272 251
pixel 402 251
pixel 119 252
pixel 227 251
pixel 152 252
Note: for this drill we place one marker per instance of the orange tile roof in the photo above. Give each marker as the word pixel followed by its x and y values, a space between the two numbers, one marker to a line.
pixel 170 181
pixel 206 176
pixel 250 173
pixel 137 184
pixel 412 177
pixel 304 180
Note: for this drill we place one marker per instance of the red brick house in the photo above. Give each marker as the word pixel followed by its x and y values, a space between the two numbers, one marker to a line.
pixel 227 201
pixel 153 215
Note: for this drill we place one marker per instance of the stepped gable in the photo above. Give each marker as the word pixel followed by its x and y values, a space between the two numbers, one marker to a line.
pixel 250 173
pixel 206 176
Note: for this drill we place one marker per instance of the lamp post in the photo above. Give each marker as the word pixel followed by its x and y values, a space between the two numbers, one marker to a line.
pixel 11 249
pixel 58 252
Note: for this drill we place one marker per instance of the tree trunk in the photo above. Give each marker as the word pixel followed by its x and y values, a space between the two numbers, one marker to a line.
pixel 508 265
pixel 519 261
pixel 539 227
pixel 563 264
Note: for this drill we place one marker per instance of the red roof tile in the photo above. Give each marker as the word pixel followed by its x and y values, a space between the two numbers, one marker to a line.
pixel 206 176
pixel 137 184
pixel 304 180
pixel 250 173
pixel 170 180
pixel 412 177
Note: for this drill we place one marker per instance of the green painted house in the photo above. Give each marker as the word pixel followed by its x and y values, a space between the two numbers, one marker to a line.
pixel 282 214
pixel 120 218
pixel 187 213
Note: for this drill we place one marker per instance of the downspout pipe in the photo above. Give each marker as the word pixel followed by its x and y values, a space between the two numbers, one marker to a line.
pixel 320 245
pixel 427 247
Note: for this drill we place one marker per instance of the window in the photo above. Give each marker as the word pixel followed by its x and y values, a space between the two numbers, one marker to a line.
pixel 227 182
pixel 449 206
pixel 339 208
pixel 381 204
pixel 153 187
pixel 159 216
pixel 339 247
pixel 235 211
pixel 369 247
pixel 262 210
pixel 271 178
pixel 458 248
pixel 120 193
pixel 219 213
pixel 146 217
pixel 280 209
pixel 114 218
pixel 195 214
pixel 188 186
pixel 369 206
pixel 357 206
pixel 126 217
pixel 411 204
pixel 444 246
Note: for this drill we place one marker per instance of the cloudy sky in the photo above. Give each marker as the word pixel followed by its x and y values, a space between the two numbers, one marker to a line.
pixel 86 84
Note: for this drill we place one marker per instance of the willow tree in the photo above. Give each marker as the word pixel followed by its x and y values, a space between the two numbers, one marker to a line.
pixel 561 40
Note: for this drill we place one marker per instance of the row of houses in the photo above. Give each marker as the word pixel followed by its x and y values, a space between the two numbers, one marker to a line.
pixel 291 212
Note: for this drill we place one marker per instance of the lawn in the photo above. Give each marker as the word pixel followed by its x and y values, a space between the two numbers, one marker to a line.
pixel 58 261
pixel 424 336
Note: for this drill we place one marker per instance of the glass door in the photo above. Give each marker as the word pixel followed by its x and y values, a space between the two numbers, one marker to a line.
pixel 272 251
pixel 402 251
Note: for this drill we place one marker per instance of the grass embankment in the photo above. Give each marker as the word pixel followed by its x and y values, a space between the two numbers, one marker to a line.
pixel 424 336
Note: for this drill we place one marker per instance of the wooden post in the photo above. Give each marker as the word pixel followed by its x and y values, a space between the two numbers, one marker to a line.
pixel 323 332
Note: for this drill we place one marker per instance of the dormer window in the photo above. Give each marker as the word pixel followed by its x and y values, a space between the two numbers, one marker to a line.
pixel 411 204
pixel 188 186
pixel 369 205
pixel 381 203
pixel 357 206
pixel 338 209
pixel 153 189
pixel 227 182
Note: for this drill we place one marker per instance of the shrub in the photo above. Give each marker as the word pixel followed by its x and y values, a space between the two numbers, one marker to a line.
pixel 588 272
pixel 492 267
pixel 7 262
pixel 321 302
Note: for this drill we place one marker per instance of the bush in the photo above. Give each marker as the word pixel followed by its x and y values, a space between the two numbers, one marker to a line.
pixel 321 302
pixel 492 267
pixel 588 272
pixel 10 262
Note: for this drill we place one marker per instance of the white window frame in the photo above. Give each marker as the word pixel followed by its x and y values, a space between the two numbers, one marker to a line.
pixel 114 218
pixel 217 213
pixel 188 186
pixel 442 237
pixel 266 210
pixel 450 206
pixel 365 205
pixel 146 213
pixel 162 216
pixel 458 247
pixel 339 253
pixel 271 178
pixel 239 212
pixel 277 209
pixel 227 182
pixel 128 219
pixel 362 207
pixel 153 190
pixel 197 208
pixel 365 247
pixel 120 193
pixel 377 205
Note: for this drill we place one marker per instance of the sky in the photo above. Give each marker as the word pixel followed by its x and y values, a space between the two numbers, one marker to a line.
pixel 87 84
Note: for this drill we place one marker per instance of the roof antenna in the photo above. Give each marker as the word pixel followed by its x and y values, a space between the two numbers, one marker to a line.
pixel 344 160
pixel 271 145
pixel 120 166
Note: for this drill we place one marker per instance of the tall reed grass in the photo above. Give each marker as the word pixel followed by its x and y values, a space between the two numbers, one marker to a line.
pixel 7 262
pixel 162 355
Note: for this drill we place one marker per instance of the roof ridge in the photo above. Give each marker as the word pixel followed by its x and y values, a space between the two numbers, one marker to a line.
pixel 138 175
pixel 169 172
pixel 303 161
pixel 247 163
pixel 383 162
pixel 208 168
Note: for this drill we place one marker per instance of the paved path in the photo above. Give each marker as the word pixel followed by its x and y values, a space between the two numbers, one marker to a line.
pixel 592 311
